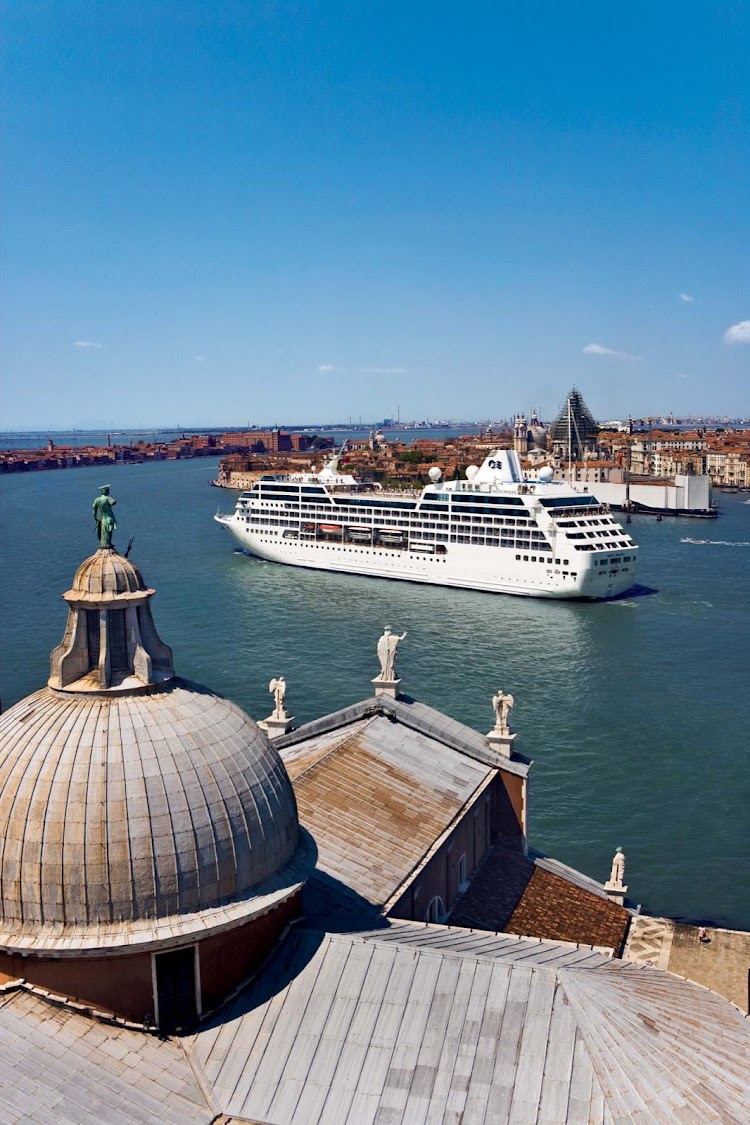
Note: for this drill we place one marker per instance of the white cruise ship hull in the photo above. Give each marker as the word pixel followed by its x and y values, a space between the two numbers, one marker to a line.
pixel 493 531
pixel 492 569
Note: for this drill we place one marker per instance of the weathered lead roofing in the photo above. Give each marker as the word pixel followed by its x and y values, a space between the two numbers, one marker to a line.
pixel 444 1026
pixel 57 1066
pixel 106 574
pixel 408 1025
pixel 121 814
pixel 376 795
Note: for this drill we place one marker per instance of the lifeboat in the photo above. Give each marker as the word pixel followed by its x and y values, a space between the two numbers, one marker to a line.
pixel 390 536
pixel 330 528
pixel 359 533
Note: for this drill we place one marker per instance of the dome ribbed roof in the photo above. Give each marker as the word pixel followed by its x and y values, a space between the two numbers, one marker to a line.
pixel 116 809
pixel 105 572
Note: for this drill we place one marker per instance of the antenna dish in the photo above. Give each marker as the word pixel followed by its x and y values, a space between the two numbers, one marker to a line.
pixel 546 474
pixel 472 471
pixel 435 474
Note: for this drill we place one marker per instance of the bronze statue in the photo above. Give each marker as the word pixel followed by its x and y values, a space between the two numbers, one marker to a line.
pixel 104 516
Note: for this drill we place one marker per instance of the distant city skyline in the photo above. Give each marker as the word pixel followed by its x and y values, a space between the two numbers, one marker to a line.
pixel 254 211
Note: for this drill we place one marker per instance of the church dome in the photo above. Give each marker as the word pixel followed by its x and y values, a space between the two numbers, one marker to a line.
pixel 135 807
pixel 106 573
pixel 119 809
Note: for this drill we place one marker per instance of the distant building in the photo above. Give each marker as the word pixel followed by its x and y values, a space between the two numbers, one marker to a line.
pixel 574 431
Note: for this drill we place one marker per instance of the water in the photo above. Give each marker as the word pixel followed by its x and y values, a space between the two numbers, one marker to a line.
pixel 635 711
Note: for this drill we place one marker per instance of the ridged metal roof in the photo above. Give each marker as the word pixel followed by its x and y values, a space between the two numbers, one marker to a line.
pixel 134 809
pixel 411 1028
pixel 106 573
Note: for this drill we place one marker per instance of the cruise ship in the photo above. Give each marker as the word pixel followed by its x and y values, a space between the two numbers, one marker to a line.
pixel 493 531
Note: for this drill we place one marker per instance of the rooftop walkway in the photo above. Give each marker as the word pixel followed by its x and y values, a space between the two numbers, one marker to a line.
pixel 721 963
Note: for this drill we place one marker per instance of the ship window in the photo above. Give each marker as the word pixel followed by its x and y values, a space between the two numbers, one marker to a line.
pixel 525 558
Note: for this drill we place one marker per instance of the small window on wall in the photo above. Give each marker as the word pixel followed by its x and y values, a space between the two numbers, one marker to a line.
pixel 435 911
pixel 462 880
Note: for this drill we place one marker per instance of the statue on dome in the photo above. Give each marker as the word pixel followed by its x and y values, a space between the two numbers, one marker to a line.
pixel 104 516
pixel 277 687
pixel 387 646
pixel 501 704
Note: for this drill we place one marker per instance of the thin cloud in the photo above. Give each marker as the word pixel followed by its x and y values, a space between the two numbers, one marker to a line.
pixel 326 368
pixel 86 344
pixel 738 333
pixel 600 349
pixel 199 359
pixel 384 371
pixel 687 298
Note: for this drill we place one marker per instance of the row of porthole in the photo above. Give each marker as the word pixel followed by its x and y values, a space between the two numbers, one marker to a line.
pixel 380 554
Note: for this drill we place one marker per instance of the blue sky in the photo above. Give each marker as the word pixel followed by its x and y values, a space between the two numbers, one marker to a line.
pixel 282 212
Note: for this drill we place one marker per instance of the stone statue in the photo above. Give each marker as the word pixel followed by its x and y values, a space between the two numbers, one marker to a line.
pixel 277 688
pixel 502 704
pixel 617 874
pixel 387 646
pixel 104 516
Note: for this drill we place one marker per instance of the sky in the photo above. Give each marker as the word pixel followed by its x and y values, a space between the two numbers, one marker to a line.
pixel 284 213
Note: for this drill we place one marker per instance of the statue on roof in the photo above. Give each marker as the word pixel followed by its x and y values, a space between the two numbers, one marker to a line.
pixel 387 646
pixel 104 516
pixel 501 705
pixel 277 687
pixel 617 874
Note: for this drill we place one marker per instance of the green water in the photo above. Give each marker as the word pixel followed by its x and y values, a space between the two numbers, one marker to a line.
pixel 635 711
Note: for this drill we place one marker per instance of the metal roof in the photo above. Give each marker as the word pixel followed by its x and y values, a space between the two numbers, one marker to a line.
pixel 60 1066
pixel 123 814
pixel 421 1025
pixel 407 1025
pixel 376 795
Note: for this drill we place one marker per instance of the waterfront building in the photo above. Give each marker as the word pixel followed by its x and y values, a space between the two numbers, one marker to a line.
pixel 175 946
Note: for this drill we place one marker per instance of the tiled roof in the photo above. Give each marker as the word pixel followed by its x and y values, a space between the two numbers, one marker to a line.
pixel 514 894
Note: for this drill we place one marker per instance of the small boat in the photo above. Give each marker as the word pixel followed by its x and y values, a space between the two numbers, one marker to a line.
pixel 330 528
pixel 386 535
pixel 427 548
